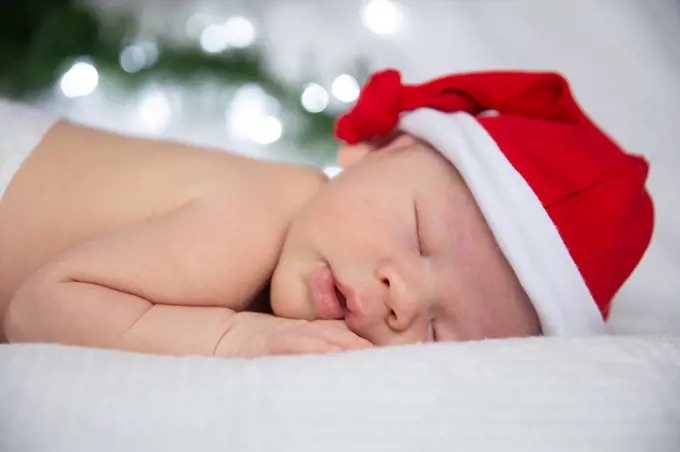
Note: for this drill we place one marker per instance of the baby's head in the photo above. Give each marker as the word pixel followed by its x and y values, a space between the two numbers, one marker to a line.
pixel 406 246
pixel 447 224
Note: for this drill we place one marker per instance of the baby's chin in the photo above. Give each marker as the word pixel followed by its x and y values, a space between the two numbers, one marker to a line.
pixel 288 296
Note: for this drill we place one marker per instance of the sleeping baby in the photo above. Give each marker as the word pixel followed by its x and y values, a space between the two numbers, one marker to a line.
pixel 474 206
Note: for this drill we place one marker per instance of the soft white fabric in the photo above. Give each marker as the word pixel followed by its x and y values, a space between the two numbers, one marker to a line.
pixel 520 224
pixel 544 394
pixel 22 127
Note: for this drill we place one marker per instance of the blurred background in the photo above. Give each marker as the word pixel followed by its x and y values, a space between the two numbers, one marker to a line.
pixel 266 78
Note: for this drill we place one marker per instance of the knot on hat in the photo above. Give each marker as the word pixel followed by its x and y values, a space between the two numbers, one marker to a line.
pixel 382 100
pixel 377 110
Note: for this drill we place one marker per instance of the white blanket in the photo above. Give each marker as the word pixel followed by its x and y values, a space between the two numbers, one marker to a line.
pixel 603 394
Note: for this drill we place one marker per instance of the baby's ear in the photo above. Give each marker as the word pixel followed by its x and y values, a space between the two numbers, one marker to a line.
pixel 350 154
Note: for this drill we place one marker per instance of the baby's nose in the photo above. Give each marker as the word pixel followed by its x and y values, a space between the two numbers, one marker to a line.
pixel 400 297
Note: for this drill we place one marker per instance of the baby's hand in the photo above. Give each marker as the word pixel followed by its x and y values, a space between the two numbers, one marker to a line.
pixel 254 335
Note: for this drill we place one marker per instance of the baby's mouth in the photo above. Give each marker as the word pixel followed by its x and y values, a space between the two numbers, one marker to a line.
pixel 329 300
pixel 341 298
pixel 335 300
pixel 352 306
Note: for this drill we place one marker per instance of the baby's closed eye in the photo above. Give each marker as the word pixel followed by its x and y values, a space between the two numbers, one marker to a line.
pixel 431 332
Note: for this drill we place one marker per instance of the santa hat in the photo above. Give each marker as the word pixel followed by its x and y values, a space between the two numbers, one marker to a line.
pixel 567 206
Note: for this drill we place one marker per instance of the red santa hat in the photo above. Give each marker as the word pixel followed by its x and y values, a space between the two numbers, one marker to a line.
pixel 567 206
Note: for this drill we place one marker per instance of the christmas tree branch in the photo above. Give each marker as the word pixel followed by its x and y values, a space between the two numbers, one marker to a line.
pixel 39 40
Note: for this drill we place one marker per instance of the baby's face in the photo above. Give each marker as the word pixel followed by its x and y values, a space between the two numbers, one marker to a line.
pixel 397 247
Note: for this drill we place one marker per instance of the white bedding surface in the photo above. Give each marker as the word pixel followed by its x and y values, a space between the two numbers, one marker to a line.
pixel 599 394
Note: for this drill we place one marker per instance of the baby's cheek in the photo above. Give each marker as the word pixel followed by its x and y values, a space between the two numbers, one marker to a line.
pixel 288 296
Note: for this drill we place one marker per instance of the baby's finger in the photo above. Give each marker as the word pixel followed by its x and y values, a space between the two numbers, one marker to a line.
pixel 341 337
pixel 338 324
pixel 289 344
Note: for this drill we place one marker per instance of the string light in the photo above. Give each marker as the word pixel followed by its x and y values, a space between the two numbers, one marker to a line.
pixel 239 32
pixel 138 56
pixel 382 17
pixel 314 98
pixel 196 24
pixel 236 32
pixel 80 80
pixel 269 131
pixel 154 111
pixel 132 58
pixel 214 38
pixel 345 88
pixel 251 117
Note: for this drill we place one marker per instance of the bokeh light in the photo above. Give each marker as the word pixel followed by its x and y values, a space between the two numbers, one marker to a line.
pixel 314 98
pixel 80 80
pixel 382 17
pixel 345 88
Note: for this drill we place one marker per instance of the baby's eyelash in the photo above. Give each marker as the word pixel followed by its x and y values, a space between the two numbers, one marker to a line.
pixel 431 336
pixel 418 237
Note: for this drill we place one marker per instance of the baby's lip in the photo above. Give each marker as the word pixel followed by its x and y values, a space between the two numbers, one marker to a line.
pixel 323 285
pixel 355 316
pixel 336 300
pixel 352 301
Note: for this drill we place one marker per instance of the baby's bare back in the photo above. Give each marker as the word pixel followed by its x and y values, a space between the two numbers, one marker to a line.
pixel 81 184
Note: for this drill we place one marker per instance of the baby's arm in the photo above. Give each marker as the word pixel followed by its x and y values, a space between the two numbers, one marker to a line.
pixel 140 287
pixel 170 285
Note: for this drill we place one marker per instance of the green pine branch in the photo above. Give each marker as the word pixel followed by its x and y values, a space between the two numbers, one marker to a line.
pixel 40 39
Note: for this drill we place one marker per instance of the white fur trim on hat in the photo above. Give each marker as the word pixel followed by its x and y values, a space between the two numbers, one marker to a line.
pixel 522 227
